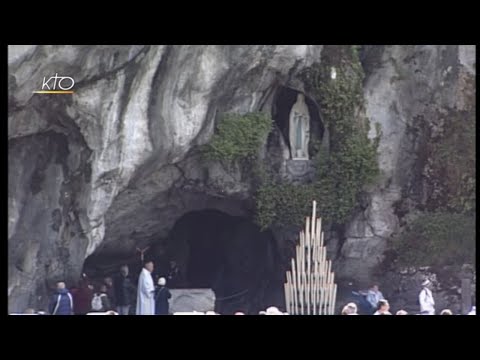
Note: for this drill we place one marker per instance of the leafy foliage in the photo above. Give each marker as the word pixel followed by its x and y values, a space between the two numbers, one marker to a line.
pixel 282 203
pixel 238 137
pixel 437 238
pixel 340 175
pixel 451 166
pixel 352 162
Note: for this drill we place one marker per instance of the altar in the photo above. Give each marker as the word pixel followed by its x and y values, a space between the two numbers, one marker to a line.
pixel 190 300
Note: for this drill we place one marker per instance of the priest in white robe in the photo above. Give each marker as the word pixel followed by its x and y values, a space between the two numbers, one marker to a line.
pixel 146 291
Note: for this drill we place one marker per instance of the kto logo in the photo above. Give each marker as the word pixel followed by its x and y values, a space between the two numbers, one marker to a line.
pixel 57 85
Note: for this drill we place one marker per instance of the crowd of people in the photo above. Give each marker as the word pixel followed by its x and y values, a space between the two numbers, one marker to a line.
pixel 272 310
pixel 373 302
pixel 117 295
pixel 113 296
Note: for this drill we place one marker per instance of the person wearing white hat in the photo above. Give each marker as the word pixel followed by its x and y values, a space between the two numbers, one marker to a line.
pixel 425 298
pixel 383 308
pixel 162 295
pixel 272 310
pixel 350 309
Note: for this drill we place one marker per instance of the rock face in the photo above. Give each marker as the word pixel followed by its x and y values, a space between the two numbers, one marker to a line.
pixel 115 165
pixel 406 87
pixel 108 166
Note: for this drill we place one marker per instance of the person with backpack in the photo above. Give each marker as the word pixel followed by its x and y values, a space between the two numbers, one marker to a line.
pixel 425 299
pixel 162 294
pixel 61 302
pixel 108 282
pixel 100 301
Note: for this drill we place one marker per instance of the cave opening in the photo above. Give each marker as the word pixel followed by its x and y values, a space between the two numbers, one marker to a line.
pixel 211 250
pixel 228 254
pixel 284 100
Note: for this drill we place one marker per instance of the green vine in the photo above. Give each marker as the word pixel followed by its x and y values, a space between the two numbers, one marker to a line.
pixel 282 203
pixel 238 137
pixel 436 239
pixel 452 165
pixel 351 163
pixel 445 232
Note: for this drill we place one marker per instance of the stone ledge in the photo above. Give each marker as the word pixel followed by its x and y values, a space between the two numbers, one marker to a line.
pixel 188 300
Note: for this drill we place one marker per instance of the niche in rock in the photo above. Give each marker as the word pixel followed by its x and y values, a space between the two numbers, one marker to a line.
pixel 298 119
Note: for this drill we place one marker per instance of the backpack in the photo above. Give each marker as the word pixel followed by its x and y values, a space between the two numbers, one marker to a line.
pixel 97 304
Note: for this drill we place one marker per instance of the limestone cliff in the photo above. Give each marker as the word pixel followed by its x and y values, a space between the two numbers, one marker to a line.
pixel 115 165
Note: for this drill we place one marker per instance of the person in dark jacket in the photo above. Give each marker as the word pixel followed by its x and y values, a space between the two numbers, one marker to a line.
pixel 61 302
pixel 106 299
pixel 108 282
pixel 124 291
pixel 162 294
pixel 174 276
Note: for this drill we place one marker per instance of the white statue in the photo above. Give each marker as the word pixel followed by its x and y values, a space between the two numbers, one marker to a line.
pixel 299 129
